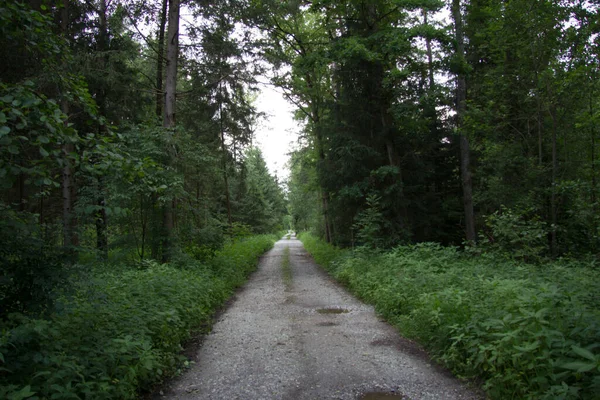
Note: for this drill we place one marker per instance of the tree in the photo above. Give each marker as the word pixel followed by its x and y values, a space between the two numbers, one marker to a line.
pixel 169 111
pixel 461 103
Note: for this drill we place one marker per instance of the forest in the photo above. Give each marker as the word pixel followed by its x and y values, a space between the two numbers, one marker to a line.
pixel 446 172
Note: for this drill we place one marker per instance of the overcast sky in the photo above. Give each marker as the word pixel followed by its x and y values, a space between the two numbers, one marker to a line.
pixel 277 131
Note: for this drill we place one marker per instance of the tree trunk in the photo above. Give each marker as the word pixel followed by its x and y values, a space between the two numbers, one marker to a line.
pixel 224 151
pixel 324 193
pixel 101 223
pixel 171 70
pixel 160 60
pixel 169 112
pixel 101 218
pixel 465 151
pixel 429 54
pixel 70 237
pixel 553 205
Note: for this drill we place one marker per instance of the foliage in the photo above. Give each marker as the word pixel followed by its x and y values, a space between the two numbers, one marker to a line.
pixel 518 234
pixel 30 267
pixel 529 332
pixel 380 120
pixel 119 329
pixel 369 223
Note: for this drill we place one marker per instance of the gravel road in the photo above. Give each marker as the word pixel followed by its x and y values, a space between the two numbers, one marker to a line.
pixel 293 333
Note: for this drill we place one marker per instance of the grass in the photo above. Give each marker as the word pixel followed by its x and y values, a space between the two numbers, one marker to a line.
pixel 526 331
pixel 119 331
pixel 286 269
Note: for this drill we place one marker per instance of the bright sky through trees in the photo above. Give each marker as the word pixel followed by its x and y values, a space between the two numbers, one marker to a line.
pixel 277 131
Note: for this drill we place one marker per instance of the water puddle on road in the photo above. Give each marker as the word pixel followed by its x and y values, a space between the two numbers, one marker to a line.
pixel 332 311
pixel 327 323
pixel 380 396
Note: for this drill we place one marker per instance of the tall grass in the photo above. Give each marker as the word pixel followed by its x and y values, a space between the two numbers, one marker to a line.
pixel 527 331
pixel 117 332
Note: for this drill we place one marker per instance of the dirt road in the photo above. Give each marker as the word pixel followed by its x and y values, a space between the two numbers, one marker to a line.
pixel 293 333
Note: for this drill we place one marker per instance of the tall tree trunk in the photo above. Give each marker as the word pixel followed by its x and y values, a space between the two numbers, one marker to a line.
pixel 429 53
pixel 70 237
pixel 160 99
pixel 101 217
pixel 593 145
pixel 553 201
pixel 224 151
pixel 171 60
pixel 324 192
pixel 465 151
pixel 169 112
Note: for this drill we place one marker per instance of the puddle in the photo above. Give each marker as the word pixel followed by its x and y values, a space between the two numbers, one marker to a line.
pixel 328 323
pixel 332 311
pixel 382 342
pixel 380 396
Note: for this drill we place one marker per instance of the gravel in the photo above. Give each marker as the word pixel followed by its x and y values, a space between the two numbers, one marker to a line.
pixel 307 339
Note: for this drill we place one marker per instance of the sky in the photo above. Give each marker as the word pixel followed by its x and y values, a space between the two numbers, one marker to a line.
pixel 277 132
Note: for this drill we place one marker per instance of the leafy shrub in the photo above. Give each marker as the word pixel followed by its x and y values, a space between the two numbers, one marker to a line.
pixel 118 332
pixel 518 233
pixel 529 331
pixel 369 223
pixel 30 268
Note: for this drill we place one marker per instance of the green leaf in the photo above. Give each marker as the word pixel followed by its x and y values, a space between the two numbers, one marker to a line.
pixel 13 149
pixel 6 99
pixel 23 393
pixel 5 130
pixel 90 209
pixel 579 366
pixel 583 353
pixel 43 152
pixel 43 139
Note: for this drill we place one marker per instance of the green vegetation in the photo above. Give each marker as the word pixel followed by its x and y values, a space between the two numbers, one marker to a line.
pixel 395 154
pixel 529 331
pixel 119 328
pixel 127 168
pixel 286 269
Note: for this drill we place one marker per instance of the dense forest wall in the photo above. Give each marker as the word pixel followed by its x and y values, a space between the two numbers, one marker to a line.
pixel 428 121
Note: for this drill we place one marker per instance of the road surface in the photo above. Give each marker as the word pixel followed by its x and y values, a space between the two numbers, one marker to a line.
pixel 293 333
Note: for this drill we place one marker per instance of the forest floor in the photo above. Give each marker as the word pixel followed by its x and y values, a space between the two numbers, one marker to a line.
pixel 293 333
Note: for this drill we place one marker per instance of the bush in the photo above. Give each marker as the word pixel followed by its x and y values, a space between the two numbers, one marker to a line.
pixel 30 268
pixel 529 331
pixel 519 234
pixel 118 332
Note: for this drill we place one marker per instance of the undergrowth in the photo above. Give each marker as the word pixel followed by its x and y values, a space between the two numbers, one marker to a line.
pixel 527 331
pixel 118 331
pixel 286 269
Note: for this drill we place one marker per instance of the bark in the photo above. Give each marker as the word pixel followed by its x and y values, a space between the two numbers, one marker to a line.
pixel 553 201
pixel 169 112
pixel 160 60
pixel 171 60
pixel 540 127
pixel 465 151
pixel 429 54
pixel 101 223
pixel 315 117
pixel 593 137
pixel 70 237
pixel 101 217
pixel 224 151
pixel 324 192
